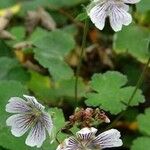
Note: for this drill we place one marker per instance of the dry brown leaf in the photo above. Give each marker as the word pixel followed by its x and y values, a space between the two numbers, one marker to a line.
pixel 3 23
pixel 4 20
pixel 46 20
pixel 39 17
pixel 20 55
pixel 6 35
pixel 32 20
pixel 105 57
pixel 22 45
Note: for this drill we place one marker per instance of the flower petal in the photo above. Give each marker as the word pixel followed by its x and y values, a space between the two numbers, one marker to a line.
pixel 19 123
pixel 37 135
pixel 72 144
pixel 32 100
pixel 99 1
pixel 17 105
pixel 86 133
pixel 119 17
pixel 123 6
pixel 131 1
pixel 107 139
pixel 60 147
pixel 98 15
pixel 47 121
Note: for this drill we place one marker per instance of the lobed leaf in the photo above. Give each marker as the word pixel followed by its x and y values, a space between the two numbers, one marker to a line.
pixel 133 40
pixel 109 92
pixel 141 143
pixel 51 51
pixel 144 123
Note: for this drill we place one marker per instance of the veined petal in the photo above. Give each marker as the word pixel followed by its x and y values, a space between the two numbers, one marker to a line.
pixel 107 139
pixel 127 18
pixel 86 133
pixel 99 1
pixel 123 6
pixel 32 100
pixel 72 144
pixel 47 121
pixel 19 123
pixel 119 17
pixel 131 1
pixel 17 105
pixel 124 16
pixel 115 21
pixel 37 135
pixel 98 15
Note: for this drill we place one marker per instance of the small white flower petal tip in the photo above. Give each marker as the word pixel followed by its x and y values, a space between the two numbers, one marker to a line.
pixel 29 114
pixel 115 10
pixel 86 139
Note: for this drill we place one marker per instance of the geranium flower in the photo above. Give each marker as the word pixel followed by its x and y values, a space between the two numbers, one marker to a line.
pixel 116 10
pixel 29 114
pixel 86 139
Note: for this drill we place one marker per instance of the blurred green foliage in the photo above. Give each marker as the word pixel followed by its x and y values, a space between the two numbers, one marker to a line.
pixel 43 63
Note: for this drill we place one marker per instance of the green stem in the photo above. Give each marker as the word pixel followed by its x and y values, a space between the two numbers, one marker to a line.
pixel 80 58
pixel 139 82
pixel 57 140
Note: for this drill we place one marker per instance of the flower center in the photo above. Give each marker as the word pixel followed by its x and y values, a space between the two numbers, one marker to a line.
pixel 36 112
pixel 88 145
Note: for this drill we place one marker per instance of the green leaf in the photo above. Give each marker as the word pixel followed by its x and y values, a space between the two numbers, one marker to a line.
pixel 62 3
pixel 18 32
pixel 18 73
pixel 6 65
pixel 132 71
pixel 11 70
pixel 5 50
pixel 109 91
pixel 65 88
pixel 141 143
pixel 71 29
pixel 143 122
pixel 51 51
pixel 37 34
pixel 143 6
pixel 8 3
pixel 59 122
pixel 82 16
pixel 131 114
pixel 133 40
pixel 40 85
pixel 1 148
pixel 9 89
pixel 31 5
pixel 43 89
pixel 58 118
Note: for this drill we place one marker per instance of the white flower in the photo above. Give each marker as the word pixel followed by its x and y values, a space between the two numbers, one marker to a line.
pixel 86 139
pixel 116 10
pixel 29 114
